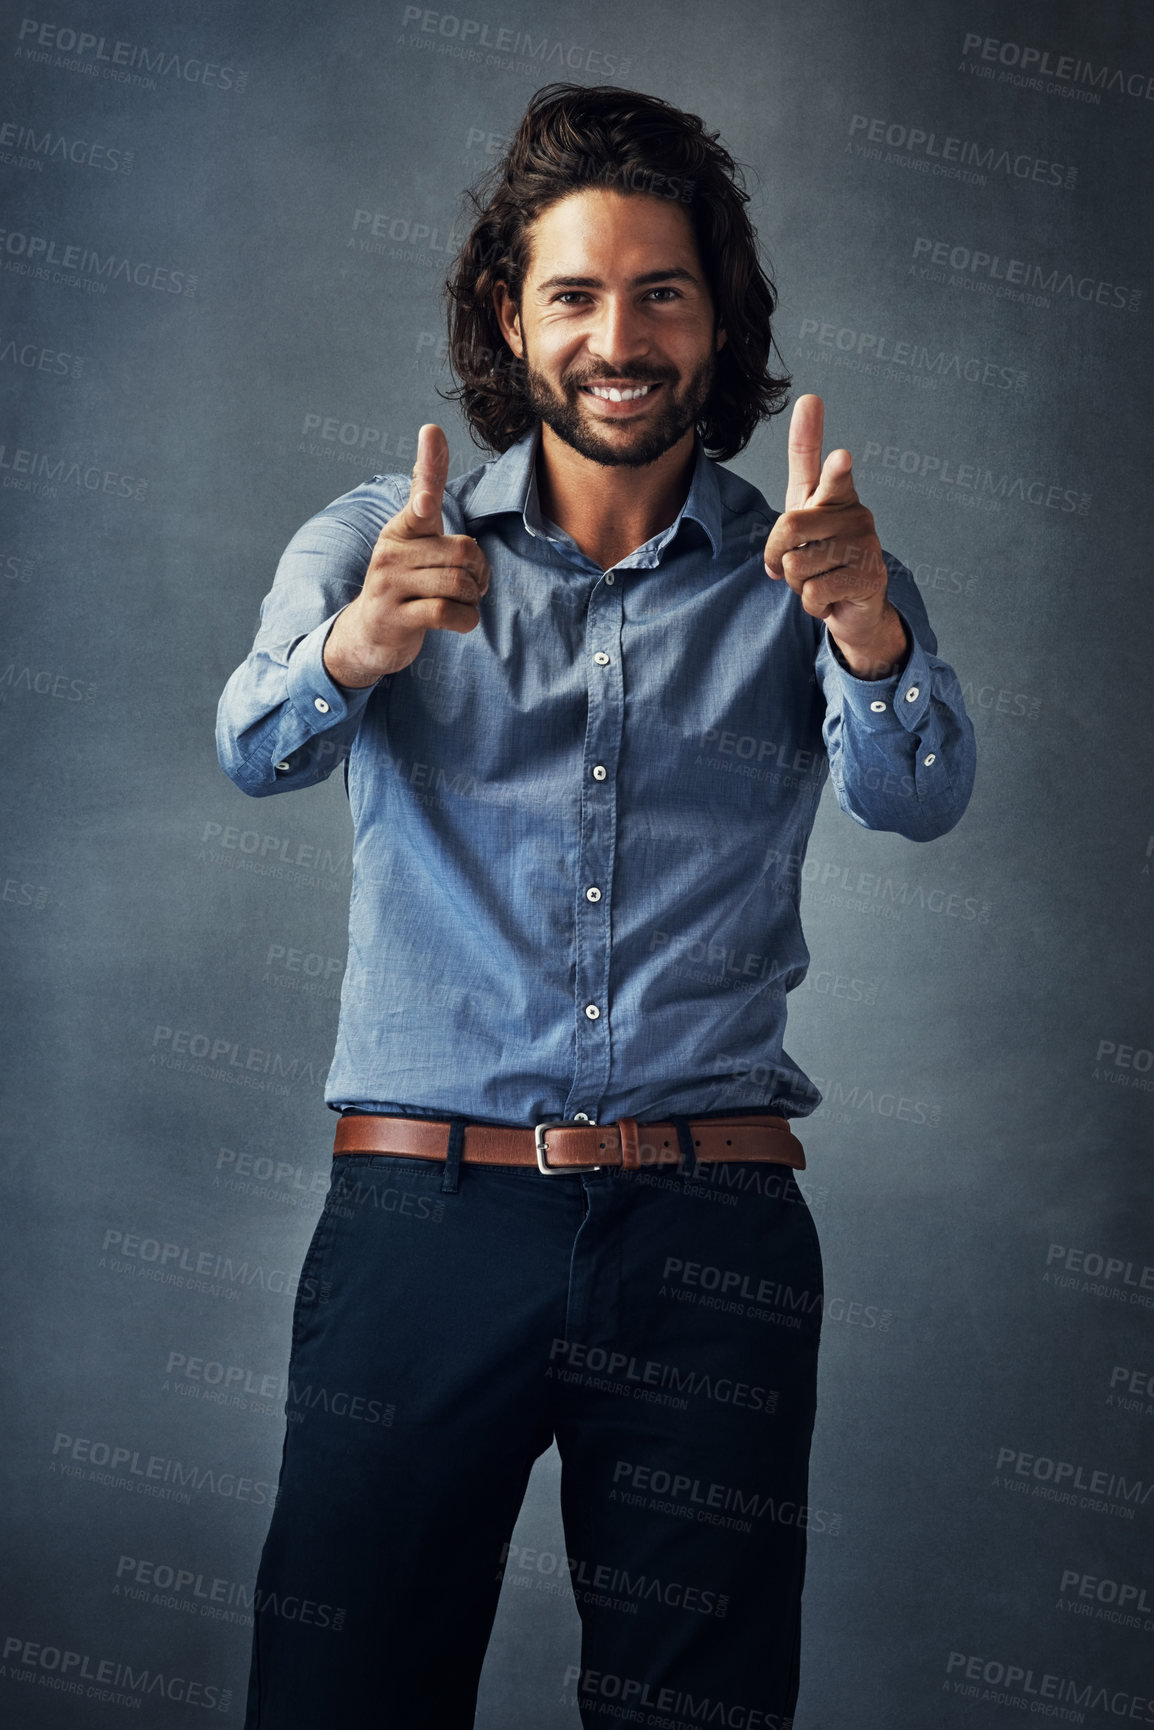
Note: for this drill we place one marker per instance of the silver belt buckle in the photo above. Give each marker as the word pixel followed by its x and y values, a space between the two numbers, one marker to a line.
pixel 539 1139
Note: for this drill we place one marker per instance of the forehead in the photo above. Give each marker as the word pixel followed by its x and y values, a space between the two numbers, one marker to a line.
pixel 602 233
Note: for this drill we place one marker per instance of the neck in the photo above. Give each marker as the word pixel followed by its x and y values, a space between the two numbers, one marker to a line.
pixel 610 509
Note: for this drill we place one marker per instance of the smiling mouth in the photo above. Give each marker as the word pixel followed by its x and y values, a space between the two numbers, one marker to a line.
pixel 622 393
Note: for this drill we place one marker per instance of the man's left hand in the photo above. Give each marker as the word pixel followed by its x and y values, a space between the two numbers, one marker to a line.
pixel 825 546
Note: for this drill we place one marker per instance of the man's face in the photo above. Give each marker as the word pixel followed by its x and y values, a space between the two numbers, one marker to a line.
pixel 614 297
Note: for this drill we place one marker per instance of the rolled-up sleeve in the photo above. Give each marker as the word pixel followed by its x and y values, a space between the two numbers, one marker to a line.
pixel 901 750
pixel 282 722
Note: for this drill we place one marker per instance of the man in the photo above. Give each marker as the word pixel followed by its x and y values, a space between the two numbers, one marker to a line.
pixel 586 697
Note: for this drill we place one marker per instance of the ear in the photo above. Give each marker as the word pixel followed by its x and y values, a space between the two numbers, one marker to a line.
pixel 508 318
pixel 721 339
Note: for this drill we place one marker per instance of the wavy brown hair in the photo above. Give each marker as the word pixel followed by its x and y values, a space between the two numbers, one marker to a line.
pixel 574 137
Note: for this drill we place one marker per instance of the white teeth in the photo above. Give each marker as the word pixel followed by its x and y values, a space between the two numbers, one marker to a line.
pixel 612 394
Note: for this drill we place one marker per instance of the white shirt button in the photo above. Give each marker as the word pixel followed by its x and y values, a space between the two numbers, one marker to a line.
pixel 601 658
pixel 609 578
pixel 592 1011
pixel 281 767
pixel 593 894
pixel 599 771
pixel 320 706
pixel 580 1117
pixel 911 694
pixel 877 707
pixel 932 758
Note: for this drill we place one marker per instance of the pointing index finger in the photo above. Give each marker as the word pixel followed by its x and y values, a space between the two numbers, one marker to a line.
pixel 805 432
pixel 430 472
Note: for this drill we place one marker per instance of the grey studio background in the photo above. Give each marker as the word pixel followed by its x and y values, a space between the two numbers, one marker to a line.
pixel 225 230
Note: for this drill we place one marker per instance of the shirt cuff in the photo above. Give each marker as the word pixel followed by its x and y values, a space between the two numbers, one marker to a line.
pixel 313 694
pixel 877 703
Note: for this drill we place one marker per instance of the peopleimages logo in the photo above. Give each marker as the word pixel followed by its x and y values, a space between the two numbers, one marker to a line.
pixel 108 1679
pixel 1097 1272
pixel 980 485
pixel 1070 1483
pixel 167 1586
pixel 484 42
pixel 1031 67
pixel 669 1706
pixel 917 357
pixel 650 1379
pixel 123 1467
pixel 931 151
pixel 24 147
pixel 1017 277
pixel 1101 1591
pixel 977 1677
pixel 99 56
pixel 40 255
pixel 39 357
pixel 26 469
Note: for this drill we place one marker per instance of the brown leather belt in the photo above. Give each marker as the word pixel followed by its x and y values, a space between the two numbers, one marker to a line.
pixel 568 1146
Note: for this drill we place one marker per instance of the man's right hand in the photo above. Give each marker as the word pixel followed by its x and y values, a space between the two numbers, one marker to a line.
pixel 419 579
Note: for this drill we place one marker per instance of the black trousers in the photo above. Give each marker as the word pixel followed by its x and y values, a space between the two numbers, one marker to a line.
pixel 662 1326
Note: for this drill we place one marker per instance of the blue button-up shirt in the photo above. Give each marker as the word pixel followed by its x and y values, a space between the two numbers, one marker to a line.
pixel 579 827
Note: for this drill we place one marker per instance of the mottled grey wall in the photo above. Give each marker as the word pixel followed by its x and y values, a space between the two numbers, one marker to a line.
pixel 224 234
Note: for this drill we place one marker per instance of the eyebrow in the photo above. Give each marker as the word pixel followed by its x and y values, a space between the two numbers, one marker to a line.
pixel 650 277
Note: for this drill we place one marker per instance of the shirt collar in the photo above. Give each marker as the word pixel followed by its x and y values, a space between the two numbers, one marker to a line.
pixel 510 484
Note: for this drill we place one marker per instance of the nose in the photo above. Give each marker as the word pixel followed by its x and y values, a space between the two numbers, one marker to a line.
pixel 618 334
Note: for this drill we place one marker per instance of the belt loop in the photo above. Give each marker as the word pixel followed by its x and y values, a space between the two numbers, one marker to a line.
pixel 453 1155
pixel 685 1142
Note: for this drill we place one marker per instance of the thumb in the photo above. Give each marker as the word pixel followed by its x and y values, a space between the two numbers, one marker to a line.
pixel 422 514
pixel 835 486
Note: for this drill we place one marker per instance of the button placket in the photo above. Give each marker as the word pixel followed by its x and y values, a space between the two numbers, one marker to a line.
pixel 597 841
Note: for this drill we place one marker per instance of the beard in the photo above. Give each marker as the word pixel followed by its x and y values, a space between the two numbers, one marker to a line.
pixel 641 443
